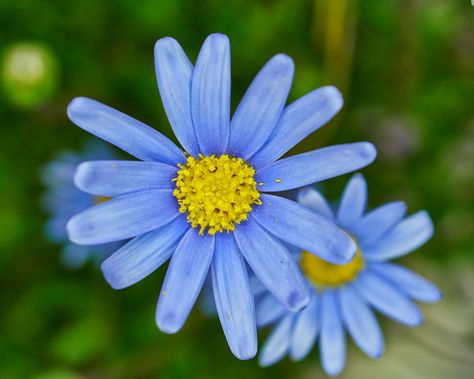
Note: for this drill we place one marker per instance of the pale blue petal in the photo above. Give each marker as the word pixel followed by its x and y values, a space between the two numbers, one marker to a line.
pixel 113 178
pixel 361 322
pixel 74 256
pixel 142 255
pixel 123 217
pixel 298 120
pixel 261 107
pixel 305 329
pixel 376 223
pixel 272 264
pixel 210 95
pixel 184 279
pixel 387 299
pixel 353 201
pixel 314 166
pixel 407 281
pixel 269 310
pixel 304 228
pixel 256 285
pixel 312 199
pixel 234 301
pixel 174 74
pixel 277 344
pixel 332 343
pixel 408 235
pixel 123 131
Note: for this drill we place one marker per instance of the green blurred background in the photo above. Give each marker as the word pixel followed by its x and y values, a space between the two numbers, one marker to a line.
pixel 406 69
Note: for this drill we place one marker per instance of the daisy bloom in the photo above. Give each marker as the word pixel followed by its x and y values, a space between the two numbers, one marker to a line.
pixel 63 200
pixel 343 296
pixel 208 208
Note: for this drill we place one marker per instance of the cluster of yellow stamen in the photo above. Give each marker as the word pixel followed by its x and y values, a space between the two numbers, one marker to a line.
pixel 324 274
pixel 216 192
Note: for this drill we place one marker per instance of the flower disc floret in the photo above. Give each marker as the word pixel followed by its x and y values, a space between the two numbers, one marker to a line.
pixel 324 274
pixel 217 192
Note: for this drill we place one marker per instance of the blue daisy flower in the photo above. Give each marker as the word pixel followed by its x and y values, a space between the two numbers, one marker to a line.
pixel 209 208
pixel 343 296
pixel 63 200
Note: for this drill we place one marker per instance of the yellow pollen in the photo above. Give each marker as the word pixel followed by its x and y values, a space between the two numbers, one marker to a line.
pixel 216 192
pixel 324 274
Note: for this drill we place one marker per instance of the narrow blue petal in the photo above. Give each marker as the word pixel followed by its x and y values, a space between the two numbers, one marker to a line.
pixel 304 228
pixel 332 343
pixel 272 264
pixel 298 120
pixel 361 322
pixel 210 95
pixel 142 255
pixel 123 217
pixel 174 74
pixel 375 224
pixel 261 107
pixel 74 256
pixel 277 344
pixel 114 178
pixel 269 310
pixel 312 199
pixel 123 131
pixel 305 329
pixel 387 299
pixel 408 282
pixel 184 279
pixel 408 235
pixel 256 285
pixel 234 301
pixel 353 201
pixel 315 166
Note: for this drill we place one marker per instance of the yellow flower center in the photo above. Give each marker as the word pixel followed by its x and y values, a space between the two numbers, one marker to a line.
pixel 216 192
pixel 324 274
pixel 101 199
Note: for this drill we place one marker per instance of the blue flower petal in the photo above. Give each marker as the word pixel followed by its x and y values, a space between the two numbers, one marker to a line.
pixel 74 256
pixel 256 286
pixel 123 217
pixel 298 120
pixel 376 223
pixel 304 228
pixel 361 322
pixel 332 343
pixel 387 299
pixel 113 178
pixel 184 279
pixel 353 201
pixel 234 301
pixel 261 107
pixel 277 344
pixel 408 235
pixel 269 310
pixel 210 95
pixel 123 131
pixel 272 264
pixel 408 281
pixel 142 255
pixel 174 74
pixel 305 329
pixel 315 166
pixel 312 199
